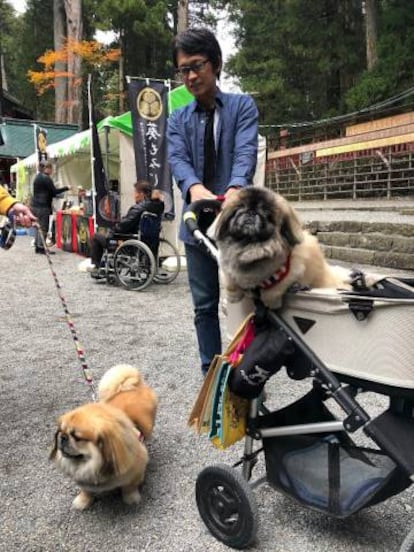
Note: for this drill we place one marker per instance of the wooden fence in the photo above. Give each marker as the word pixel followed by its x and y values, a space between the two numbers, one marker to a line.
pixel 375 161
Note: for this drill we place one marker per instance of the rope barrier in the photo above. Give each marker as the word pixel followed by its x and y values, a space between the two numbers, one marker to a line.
pixel 78 347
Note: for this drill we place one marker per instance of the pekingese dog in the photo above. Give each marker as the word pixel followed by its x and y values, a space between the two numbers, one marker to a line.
pixel 101 445
pixel 263 249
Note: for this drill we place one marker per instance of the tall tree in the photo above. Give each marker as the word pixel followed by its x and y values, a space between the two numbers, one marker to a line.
pixel 29 37
pixel 67 18
pixel 59 37
pixel 371 32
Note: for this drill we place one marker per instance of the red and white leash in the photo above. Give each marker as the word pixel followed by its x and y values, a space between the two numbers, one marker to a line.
pixel 79 348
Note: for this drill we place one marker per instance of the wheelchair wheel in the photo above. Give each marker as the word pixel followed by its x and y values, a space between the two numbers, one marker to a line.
pixel 227 506
pixel 408 544
pixel 168 263
pixel 134 265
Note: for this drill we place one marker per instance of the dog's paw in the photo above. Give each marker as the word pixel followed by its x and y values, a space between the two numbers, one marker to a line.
pixel 131 497
pixel 82 501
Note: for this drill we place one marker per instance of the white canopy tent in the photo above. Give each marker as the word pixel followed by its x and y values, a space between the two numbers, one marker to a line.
pixel 72 161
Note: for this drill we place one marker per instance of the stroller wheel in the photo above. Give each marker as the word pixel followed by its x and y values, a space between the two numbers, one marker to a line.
pixel 227 506
pixel 408 544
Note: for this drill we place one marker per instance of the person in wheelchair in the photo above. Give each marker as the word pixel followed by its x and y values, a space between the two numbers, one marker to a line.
pixel 146 200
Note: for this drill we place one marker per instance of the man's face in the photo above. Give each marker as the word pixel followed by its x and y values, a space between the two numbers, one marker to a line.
pixel 139 196
pixel 198 75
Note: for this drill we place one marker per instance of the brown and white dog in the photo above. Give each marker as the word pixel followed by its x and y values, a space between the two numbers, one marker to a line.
pixel 263 248
pixel 101 445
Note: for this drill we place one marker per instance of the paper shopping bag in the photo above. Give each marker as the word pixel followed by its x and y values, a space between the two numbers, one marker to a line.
pixel 199 406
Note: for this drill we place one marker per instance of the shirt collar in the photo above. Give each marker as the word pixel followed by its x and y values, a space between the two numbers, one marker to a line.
pixel 219 101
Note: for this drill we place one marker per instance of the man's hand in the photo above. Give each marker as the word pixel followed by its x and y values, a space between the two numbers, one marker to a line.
pixel 198 191
pixel 231 191
pixel 21 214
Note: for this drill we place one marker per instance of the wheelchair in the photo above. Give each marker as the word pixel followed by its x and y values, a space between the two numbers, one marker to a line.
pixel 134 261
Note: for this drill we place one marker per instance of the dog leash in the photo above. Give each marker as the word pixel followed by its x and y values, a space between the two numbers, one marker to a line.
pixel 78 347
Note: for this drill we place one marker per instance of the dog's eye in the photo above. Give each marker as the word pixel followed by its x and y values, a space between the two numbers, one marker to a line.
pixel 76 437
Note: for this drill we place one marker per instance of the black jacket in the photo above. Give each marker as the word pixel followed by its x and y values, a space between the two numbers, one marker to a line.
pixel 129 224
pixel 44 191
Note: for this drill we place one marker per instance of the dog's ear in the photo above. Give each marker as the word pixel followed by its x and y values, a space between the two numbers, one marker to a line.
pixel 291 228
pixel 53 452
pixel 113 442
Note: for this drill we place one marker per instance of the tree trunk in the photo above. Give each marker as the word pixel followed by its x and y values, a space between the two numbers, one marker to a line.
pixel 61 83
pixel 371 32
pixel 74 28
pixel 121 72
pixel 182 15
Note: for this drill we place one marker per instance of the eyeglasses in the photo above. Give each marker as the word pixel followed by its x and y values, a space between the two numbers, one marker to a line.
pixel 196 67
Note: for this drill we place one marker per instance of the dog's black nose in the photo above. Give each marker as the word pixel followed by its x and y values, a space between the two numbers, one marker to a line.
pixel 251 226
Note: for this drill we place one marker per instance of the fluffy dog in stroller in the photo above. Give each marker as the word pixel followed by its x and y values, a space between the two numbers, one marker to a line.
pixel 344 342
pixel 263 247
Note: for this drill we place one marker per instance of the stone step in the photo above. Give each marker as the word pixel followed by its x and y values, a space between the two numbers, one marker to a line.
pixel 373 241
pixel 358 226
pixel 357 256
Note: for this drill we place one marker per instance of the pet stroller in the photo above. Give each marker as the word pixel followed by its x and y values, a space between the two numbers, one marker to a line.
pixel 345 343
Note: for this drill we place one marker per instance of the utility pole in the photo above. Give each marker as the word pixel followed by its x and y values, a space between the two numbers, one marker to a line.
pixel 182 15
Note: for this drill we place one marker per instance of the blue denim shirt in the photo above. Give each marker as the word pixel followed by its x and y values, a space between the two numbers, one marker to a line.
pixel 236 145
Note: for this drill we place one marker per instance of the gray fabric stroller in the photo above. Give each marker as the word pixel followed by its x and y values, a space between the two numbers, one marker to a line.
pixel 344 344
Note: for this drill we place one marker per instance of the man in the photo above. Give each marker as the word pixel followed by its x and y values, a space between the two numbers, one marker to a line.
pixel 10 207
pixel 44 191
pixel 145 200
pixel 212 150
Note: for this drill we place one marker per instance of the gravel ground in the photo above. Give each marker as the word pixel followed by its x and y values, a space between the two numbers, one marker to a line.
pixel 41 378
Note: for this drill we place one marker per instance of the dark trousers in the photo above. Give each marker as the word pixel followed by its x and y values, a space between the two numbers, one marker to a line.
pixel 42 214
pixel 98 244
pixel 203 278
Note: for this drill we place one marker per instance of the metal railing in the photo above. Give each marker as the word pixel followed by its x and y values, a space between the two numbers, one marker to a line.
pixel 381 173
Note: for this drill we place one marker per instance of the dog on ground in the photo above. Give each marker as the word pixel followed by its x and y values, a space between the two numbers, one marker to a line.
pixel 101 445
pixel 264 250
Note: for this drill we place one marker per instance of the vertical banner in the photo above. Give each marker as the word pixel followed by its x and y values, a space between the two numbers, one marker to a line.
pixel 103 214
pixel 149 107
pixel 41 143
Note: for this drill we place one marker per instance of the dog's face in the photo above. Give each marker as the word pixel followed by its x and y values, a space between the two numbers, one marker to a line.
pixel 97 446
pixel 255 231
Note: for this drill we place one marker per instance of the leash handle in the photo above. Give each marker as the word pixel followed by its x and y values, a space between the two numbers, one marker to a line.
pixel 79 349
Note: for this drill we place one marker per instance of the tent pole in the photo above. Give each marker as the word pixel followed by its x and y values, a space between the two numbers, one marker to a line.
pixel 107 152
pixel 92 153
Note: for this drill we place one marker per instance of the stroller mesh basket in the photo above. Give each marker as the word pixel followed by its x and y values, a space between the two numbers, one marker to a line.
pixel 326 472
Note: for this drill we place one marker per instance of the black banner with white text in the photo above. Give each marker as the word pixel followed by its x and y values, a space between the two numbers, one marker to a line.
pixel 149 107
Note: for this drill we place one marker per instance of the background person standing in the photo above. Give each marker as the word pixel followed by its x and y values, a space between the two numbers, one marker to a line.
pixel 44 191
pixel 212 150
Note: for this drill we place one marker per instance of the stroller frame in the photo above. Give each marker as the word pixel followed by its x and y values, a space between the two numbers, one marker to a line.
pixel 224 496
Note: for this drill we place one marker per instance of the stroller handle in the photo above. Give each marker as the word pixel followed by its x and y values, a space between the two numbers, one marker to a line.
pixel 190 219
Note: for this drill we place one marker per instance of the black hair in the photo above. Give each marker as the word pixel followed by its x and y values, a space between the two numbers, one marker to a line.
pixel 143 186
pixel 199 41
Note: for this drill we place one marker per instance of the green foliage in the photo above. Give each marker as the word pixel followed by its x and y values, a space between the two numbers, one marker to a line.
pixel 30 35
pixel 393 73
pixel 143 32
pixel 303 60
pixel 297 56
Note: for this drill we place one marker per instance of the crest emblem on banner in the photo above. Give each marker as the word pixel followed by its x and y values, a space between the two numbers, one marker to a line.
pixel 41 143
pixel 149 104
